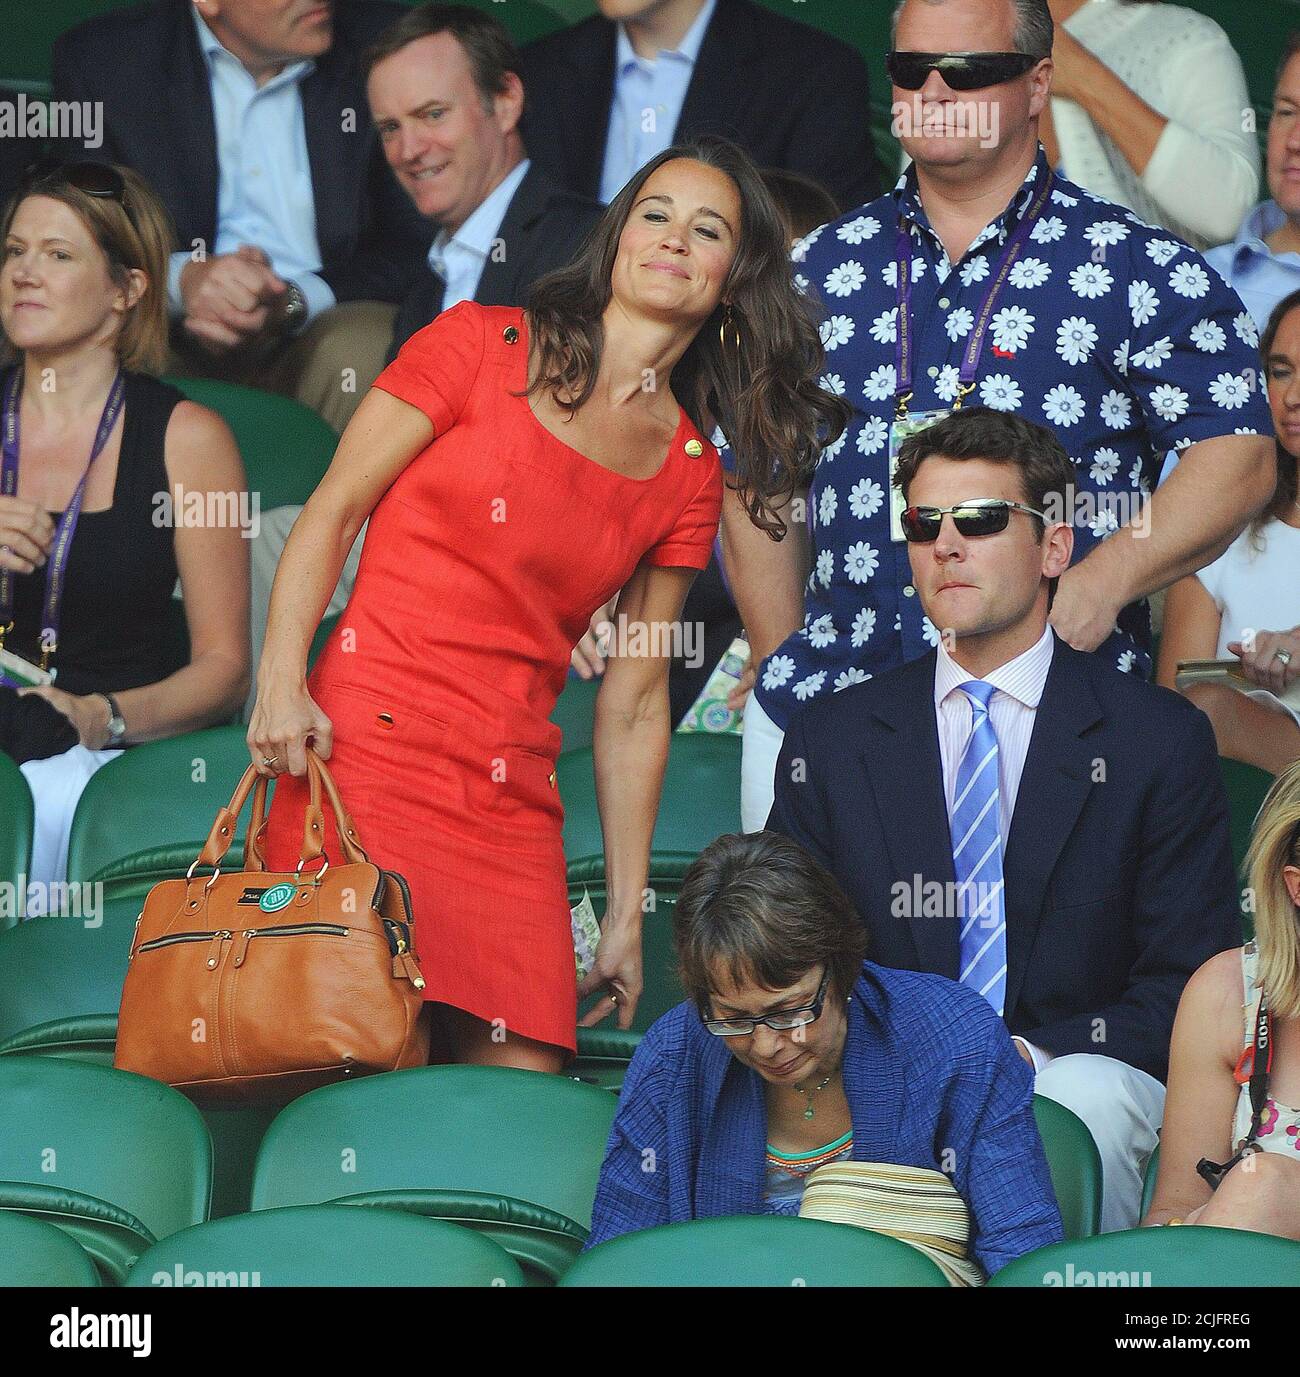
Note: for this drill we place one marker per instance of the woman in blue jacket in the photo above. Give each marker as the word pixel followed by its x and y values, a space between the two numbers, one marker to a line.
pixel 792 1051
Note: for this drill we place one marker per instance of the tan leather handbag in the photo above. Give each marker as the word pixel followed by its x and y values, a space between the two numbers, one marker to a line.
pixel 254 985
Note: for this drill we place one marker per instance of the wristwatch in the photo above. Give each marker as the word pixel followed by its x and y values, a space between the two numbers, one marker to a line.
pixel 295 308
pixel 116 723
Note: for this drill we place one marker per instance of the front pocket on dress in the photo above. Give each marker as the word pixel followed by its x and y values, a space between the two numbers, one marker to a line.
pixel 515 783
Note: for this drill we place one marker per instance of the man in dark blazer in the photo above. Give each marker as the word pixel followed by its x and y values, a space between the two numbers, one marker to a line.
pixel 1092 798
pixel 214 101
pixel 446 97
pixel 791 96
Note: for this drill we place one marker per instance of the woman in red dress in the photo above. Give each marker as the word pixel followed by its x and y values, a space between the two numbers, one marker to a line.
pixel 518 470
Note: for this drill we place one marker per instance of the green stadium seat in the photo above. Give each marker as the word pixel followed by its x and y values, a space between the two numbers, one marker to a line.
pixel 146 813
pixel 25 52
pixel 15 841
pixel 1185 1256
pixel 1149 1181
pixel 604 1054
pixel 754 1250
pixel 115 1160
pixel 34 1253
pixel 1246 786
pixel 575 712
pixel 285 446
pixel 513 1153
pixel 1074 1164
pixel 326 1245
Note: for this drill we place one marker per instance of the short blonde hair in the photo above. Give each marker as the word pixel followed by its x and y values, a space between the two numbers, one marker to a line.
pixel 135 232
pixel 1274 845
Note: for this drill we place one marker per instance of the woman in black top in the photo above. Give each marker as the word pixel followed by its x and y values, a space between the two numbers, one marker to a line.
pixel 87 594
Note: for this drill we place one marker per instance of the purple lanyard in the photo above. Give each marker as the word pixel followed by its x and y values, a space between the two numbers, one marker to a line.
pixel 975 345
pixel 56 568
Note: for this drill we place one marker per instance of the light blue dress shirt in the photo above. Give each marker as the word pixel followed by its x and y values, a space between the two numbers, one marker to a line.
pixel 1260 277
pixel 264 186
pixel 459 258
pixel 648 100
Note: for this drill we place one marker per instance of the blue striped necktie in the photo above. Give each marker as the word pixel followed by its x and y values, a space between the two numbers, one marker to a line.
pixel 977 855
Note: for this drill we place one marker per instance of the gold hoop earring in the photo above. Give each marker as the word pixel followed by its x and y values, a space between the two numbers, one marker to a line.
pixel 729 323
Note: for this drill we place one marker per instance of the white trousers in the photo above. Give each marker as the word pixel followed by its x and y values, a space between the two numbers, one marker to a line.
pixel 1123 1108
pixel 267 547
pixel 761 741
pixel 56 784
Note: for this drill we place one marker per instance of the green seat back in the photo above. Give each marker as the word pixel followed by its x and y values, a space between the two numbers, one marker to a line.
pixel 604 1054
pixel 117 1160
pixel 700 801
pixel 1074 1164
pixel 499 1145
pixel 285 446
pixel 1185 1256
pixel 326 1245
pixel 754 1250
pixel 661 989
pixel 34 1253
pixel 1149 1181
pixel 25 52
pixel 1246 786
pixel 575 712
pixel 16 822
pixel 162 798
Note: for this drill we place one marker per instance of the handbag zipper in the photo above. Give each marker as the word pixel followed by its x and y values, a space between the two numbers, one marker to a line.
pixel 287 930
pixel 174 937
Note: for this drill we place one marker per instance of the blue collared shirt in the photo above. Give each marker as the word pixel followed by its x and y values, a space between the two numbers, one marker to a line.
pixel 1260 277
pixel 264 185
pixel 1109 331
pixel 648 99
pixel 459 258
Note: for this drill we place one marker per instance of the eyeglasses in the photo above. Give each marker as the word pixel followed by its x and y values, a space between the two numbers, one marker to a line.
pixel 961 71
pixel 781 1023
pixel 980 516
pixel 95 179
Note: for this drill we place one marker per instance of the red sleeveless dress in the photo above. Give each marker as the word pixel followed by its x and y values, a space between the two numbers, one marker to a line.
pixel 481 568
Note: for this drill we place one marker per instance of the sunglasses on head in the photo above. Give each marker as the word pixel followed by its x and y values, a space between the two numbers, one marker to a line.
pixel 980 516
pixel 961 71
pixel 94 179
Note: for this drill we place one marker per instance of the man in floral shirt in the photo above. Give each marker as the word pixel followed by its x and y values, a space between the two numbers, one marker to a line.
pixel 1116 335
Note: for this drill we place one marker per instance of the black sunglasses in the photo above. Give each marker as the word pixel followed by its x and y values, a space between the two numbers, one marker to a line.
pixel 782 1022
pixel 980 516
pixel 961 71
pixel 95 179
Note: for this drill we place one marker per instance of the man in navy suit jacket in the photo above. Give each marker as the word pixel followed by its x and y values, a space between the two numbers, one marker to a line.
pixel 791 96
pixel 1112 879
pixel 249 120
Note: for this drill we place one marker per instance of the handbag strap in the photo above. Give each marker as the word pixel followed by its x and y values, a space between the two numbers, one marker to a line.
pixel 313 842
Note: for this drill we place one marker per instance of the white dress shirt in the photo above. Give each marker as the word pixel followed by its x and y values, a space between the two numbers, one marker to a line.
pixel 264 185
pixel 1012 712
pixel 459 258
pixel 648 99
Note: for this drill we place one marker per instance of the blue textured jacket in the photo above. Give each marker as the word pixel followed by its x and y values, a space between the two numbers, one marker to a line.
pixel 932 1080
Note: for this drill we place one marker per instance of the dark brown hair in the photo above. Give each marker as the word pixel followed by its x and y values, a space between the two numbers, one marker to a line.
pixel 763 393
pixel 804 204
pixel 1285 492
pixel 135 232
pixel 487 44
pixel 1289 49
pixel 980 432
pixel 758 907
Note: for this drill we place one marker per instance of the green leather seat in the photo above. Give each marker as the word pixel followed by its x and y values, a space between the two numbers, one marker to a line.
pixel 1184 1256
pixel 326 1245
pixel 156 804
pixel 286 447
pixel 1246 786
pixel 1149 1181
pixel 575 712
pixel 514 1153
pixel 34 1253
pixel 1074 1164
pixel 604 1054
pixel 754 1250
pixel 115 1160
pixel 15 840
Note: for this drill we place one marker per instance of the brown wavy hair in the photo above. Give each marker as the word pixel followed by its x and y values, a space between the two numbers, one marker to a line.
pixel 1285 493
pixel 764 394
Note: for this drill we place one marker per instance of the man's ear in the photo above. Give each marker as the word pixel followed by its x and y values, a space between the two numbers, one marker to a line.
pixel 508 104
pixel 1040 89
pixel 1058 548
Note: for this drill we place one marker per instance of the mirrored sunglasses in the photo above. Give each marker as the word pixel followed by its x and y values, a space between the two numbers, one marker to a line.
pixel 961 71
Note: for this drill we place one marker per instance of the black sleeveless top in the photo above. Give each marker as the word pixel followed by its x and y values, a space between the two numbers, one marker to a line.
pixel 117 624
